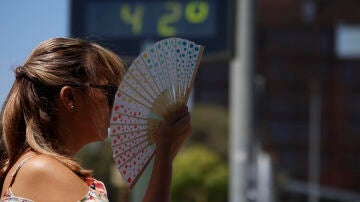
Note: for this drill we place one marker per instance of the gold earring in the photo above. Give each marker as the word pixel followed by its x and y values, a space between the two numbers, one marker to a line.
pixel 72 107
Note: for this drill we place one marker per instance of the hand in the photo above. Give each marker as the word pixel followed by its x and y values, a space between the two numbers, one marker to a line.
pixel 173 132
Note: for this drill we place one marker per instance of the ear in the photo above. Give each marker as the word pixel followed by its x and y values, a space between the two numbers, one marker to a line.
pixel 67 98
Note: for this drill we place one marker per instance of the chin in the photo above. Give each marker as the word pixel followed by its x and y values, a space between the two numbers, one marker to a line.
pixel 103 135
pixel 99 136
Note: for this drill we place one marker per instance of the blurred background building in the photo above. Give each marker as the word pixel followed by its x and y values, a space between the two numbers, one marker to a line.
pixel 308 55
pixel 297 138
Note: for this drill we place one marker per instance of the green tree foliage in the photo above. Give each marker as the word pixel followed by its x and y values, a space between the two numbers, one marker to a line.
pixel 210 127
pixel 199 175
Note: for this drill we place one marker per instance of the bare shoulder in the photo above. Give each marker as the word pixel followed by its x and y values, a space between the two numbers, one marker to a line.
pixel 45 166
pixel 44 178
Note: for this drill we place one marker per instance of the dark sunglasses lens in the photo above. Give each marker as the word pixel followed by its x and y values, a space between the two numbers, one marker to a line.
pixel 109 91
pixel 111 95
pixel 110 100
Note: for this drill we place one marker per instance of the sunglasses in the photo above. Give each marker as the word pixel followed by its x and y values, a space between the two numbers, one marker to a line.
pixel 108 90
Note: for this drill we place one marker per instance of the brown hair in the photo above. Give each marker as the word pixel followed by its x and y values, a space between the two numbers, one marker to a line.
pixel 29 112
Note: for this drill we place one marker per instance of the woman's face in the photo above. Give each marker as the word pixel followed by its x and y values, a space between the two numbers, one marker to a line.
pixel 96 115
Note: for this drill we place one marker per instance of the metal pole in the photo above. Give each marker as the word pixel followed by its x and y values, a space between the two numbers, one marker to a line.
pixel 240 100
pixel 264 178
pixel 314 143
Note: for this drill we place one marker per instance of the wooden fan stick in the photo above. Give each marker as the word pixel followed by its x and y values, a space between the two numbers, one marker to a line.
pixel 161 104
pixel 167 76
pixel 142 96
pixel 153 130
pixel 127 165
pixel 135 100
pixel 151 76
pixel 183 67
pixel 169 97
pixel 129 115
pixel 130 140
pixel 165 94
pixel 187 94
pixel 132 184
pixel 180 99
pixel 156 102
pixel 153 90
pixel 129 133
pixel 129 152
pixel 157 86
pixel 139 83
pixel 169 60
pixel 189 69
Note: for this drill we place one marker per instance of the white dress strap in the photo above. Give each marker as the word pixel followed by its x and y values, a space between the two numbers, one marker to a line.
pixel 13 175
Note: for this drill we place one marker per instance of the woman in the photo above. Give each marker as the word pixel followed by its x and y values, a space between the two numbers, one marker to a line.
pixel 60 101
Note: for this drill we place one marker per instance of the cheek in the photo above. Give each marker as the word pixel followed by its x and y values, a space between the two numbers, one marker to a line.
pixel 103 121
pixel 99 120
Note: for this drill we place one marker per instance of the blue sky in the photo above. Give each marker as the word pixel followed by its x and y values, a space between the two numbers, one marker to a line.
pixel 23 25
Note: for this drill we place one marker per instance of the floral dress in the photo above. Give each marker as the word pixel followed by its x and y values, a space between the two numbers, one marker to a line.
pixel 97 190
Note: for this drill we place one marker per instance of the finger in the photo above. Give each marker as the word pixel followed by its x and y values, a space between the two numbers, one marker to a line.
pixel 182 117
pixel 182 109
pixel 177 116
pixel 183 120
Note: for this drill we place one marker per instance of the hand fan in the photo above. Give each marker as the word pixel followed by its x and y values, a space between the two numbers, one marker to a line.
pixel 157 83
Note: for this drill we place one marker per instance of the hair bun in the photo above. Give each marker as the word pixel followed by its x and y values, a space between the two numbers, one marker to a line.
pixel 20 73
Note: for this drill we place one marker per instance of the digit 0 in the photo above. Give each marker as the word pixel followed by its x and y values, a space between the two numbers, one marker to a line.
pixel 197 11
